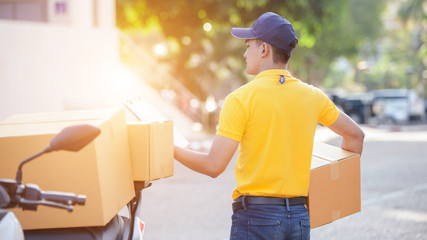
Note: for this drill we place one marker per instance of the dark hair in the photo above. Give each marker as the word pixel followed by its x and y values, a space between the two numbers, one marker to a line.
pixel 280 55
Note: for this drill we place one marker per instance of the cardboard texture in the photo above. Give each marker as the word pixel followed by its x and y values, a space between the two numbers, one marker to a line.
pixel 334 184
pixel 151 148
pixel 101 171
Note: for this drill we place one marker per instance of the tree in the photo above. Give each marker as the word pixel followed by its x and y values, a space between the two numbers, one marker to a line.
pixel 414 11
pixel 208 57
pixel 397 56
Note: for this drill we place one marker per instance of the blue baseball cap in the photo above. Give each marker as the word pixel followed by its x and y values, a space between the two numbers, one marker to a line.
pixel 271 28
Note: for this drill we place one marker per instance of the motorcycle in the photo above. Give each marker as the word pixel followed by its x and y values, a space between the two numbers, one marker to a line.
pixel 15 194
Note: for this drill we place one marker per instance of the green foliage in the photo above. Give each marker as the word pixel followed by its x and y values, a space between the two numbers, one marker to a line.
pixel 397 57
pixel 412 9
pixel 326 30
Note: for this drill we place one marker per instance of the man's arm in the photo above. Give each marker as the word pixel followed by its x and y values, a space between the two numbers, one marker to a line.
pixel 352 134
pixel 212 163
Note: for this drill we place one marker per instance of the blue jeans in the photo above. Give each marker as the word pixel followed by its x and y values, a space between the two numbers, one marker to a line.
pixel 271 222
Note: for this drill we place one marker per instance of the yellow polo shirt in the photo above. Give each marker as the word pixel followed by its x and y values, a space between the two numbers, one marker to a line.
pixel 274 118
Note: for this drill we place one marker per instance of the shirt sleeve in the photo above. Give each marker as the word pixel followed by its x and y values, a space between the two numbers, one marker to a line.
pixel 329 113
pixel 232 120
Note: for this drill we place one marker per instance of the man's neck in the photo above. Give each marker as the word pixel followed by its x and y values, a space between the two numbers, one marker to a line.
pixel 273 66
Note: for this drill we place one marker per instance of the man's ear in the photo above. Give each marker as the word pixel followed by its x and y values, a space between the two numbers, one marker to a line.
pixel 265 49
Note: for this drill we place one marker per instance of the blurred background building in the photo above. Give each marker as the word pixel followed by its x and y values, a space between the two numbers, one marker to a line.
pixel 60 55
pixel 81 54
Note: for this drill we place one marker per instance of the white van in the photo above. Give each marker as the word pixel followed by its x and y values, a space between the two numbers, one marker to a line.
pixel 397 106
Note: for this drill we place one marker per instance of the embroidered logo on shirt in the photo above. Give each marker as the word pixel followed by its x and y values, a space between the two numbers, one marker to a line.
pixel 282 79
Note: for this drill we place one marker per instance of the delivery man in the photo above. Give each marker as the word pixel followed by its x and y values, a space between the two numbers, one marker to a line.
pixel 273 118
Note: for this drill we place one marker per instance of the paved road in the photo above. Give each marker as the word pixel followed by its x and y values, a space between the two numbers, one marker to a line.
pixel 394 194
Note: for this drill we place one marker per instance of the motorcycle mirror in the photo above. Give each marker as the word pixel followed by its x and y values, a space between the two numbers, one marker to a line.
pixel 71 138
pixel 74 138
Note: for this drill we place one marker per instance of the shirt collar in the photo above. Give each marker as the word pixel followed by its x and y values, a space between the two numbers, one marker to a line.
pixel 275 73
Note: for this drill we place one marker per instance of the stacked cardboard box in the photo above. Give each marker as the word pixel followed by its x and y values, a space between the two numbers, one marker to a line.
pixel 101 171
pixel 151 140
pixel 151 148
pixel 104 171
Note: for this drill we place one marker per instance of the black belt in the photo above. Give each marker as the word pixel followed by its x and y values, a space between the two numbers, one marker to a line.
pixel 253 200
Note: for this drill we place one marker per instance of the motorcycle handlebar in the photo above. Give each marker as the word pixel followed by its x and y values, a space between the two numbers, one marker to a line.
pixel 32 204
pixel 62 197
pixel 29 196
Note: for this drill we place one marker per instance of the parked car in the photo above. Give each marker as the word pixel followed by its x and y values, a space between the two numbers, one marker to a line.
pixel 337 95
pixel 425 105
pixel 358 106
pixel 397 106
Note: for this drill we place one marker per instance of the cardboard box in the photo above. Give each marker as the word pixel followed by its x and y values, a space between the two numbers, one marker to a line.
pixel 150 144
pixel 334 184
pixel 151 139
pixel 151 148
pixel 101 171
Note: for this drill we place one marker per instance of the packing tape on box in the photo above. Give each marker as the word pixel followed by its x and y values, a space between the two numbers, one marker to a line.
pixel 336 214
pixel 335 171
